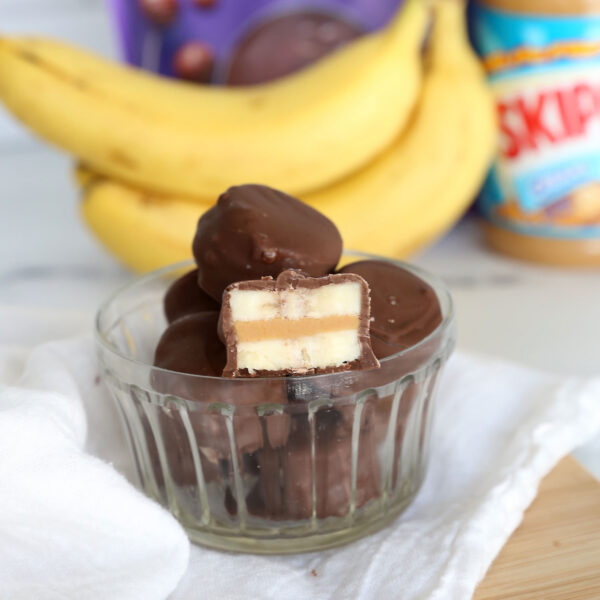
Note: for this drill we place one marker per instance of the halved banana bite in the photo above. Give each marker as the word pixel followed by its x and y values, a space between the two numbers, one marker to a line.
pixel 296 324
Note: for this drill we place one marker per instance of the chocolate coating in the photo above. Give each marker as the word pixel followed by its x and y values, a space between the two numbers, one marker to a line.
pixel 185 297
pixel 404 309
pixel 191 345
pixel 255 231
pixel 286 44
pixel 284 488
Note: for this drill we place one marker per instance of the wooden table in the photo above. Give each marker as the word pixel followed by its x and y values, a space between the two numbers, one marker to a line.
pixel 555 552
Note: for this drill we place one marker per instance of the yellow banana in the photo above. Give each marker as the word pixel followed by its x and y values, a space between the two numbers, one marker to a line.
pixel 143 230
pixel 424 182
pixel 396 204
pixel 299 133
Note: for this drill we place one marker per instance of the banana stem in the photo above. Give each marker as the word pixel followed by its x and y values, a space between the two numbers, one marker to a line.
pixel 449 15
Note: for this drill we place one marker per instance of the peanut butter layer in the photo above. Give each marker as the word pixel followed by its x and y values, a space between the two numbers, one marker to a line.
pixel 278 328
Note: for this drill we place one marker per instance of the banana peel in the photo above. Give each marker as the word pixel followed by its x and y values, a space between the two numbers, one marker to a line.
pixel 143 231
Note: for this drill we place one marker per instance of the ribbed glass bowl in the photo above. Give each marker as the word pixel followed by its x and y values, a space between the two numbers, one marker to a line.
pixel 272 465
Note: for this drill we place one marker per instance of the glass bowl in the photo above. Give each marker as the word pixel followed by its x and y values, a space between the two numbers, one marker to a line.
pixel 271 465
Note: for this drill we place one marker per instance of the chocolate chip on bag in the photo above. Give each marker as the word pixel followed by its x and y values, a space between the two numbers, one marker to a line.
pixel 194 61
pixel 160 12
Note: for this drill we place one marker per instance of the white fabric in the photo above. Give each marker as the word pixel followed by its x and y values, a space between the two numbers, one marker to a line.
pixel 72 527
pixel 498 431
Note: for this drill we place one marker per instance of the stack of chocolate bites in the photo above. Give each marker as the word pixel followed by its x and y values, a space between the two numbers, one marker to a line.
pixel 264 309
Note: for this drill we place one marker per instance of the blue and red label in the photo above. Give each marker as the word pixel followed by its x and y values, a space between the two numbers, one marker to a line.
pixel 545 74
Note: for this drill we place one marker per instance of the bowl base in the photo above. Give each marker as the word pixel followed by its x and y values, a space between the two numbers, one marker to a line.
pixel 296 545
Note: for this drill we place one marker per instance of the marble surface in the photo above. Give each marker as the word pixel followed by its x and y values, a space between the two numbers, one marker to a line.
pixel 543 317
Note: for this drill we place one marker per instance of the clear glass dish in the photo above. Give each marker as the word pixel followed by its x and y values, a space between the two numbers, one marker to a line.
pixel 271 465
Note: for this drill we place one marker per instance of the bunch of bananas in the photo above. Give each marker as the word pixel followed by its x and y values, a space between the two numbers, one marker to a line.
pixel 388 142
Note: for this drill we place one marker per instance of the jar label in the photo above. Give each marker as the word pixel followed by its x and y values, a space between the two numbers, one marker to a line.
pixel 545 75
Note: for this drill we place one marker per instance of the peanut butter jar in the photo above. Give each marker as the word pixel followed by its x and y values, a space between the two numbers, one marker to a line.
pixel 541 200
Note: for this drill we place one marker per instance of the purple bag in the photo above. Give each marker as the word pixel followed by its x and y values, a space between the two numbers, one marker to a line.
pixel 240 42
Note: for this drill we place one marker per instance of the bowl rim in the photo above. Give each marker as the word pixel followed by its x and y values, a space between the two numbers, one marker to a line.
pixel 440 288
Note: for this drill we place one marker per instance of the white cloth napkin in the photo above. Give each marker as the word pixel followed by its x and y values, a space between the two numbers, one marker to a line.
pixel 72 527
